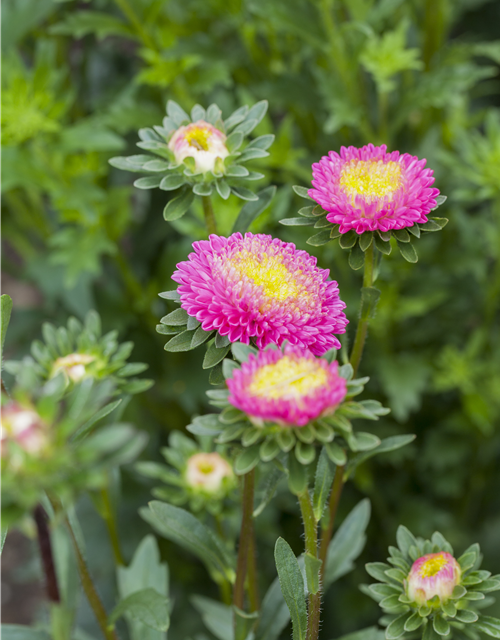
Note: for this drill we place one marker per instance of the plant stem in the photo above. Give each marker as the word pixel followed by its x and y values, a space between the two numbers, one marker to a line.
pixel 364 318
pixel 89 588
pixel 333 503
pixel 208 212
pixel 245 538
pixel 46 553
pixel 110 520
pixel 253 590
pixel 311 537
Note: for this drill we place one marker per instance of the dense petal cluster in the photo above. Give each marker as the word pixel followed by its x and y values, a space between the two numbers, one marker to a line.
pixel 367 189
pixel 434 574
pixel 290 388
pixel 261 288
pixel 199 140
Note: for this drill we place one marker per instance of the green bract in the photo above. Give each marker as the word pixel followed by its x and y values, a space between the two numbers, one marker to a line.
pixel 181 451
pixel 229 174
pixel 72 354
pixel 456 617
pixel 314 216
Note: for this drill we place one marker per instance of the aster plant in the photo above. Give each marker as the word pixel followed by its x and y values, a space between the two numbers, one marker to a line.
pixel 252 289
pixel 198 155
pixel 425 592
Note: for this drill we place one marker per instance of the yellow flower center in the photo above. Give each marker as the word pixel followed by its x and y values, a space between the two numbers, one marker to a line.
pixel 205 467
pixel 433 565
pixel 198 137
pixel 288 377
pixel 268 272
pixel 372 179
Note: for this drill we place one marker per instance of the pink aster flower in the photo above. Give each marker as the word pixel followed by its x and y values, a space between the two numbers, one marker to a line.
pixel 290 388
pixel 24 427
pixel 435 574
pixel 199 140
pixel 261 288
pixel 367 189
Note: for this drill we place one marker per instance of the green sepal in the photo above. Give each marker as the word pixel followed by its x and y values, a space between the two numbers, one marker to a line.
pixel 246 460
pixel 297 475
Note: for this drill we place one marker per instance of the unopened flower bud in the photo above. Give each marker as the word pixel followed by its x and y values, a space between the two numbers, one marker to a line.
pixel 206 471
pixel 24 427
pixel 73 365
pixel 435 574
pixel 201 141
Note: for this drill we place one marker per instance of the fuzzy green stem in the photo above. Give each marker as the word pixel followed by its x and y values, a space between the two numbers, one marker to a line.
pixel 245 538
pixel 311 538
pixel 333 503
pixel 89 588
pixel 208 212
pixel 364 318
pixel 109 517
pixel 252 582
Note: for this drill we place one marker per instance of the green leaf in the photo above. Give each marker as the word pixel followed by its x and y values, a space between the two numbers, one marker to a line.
pixel 313 566
pixel 348 543
pixel 356 257
pixel 80 23
pixel 202 189
pixel 22 632
pixel 250 211
pixel 486 624
pixel 302 192
pixel 172 181
pixel 467 560
pixel 228 366
pixel 217 617
pixel 178 115
pixel 244 194
pixel 366 441
pixel 234 141
pixel 365 240
pixel 405 539
pixel 429 633
pixel 147 606
pixel 241 351
pixel 370 633
pixel 408 252
pixel 199 337
pixel 297 222
pixel 86 428
pixel 401 235
pixel 325 472
pixel 246 460
pixel 466 615
pixel 214 355
pixel 349 239
pixel 5 311
pixel 236 117
pixel 320 238
pixel 458 592
pixel 180 342
pixel 262 142
pixel 336 454
pixel 244 623
pixel 414 622
pixel 176 318
pixel 377 570
pixel 148 182
pixel 297 475
pixel 396 628
pixel 274 614
pixel 184 529
pixel 292 587
pixel 305 453
pixel 441 626
pixel 178 206
pixel 383 247
pixel 269 449
pixel 223 189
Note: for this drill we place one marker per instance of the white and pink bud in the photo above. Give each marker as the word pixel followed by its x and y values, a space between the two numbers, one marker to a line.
pixel 207 471
pixel 201 141
pixel 73 365
pixel 24 427
pixel 435 574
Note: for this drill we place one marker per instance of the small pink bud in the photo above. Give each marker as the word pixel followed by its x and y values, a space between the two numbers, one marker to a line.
pixel 24 427
pixel 435 574
pixel 73 365
pixel 201 141
pixel 206 471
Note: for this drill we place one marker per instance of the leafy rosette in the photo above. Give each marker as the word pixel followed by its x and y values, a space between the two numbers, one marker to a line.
pixel 283 404
pixel 202 479
pixel 78 352
pixel 252 289
pixel 426 593
pixel 199 154
pixel 60 446
pixel 367 196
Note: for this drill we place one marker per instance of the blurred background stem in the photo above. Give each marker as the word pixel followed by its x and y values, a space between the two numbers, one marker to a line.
pixel 45 547
pixel 109 516
pixel 245 539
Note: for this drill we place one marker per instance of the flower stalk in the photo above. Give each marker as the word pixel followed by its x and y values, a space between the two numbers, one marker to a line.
pixel 208 212
pixel 45 547
pixel 364 318
pixel 311 539
pixel 109 517
pixel 245 539
pixel 333 503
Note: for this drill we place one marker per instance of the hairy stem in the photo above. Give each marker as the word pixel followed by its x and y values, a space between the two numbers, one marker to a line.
pixel 109 517
pixel 45 547
pixel 245 538
pixel 311 538
pixel 89 588
pixel 252 583
pixel 333 503
pixel 364 318
pixel 208 212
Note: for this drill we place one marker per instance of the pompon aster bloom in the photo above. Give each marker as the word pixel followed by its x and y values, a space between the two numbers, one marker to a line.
pixel 369 189
pixel 289 387
pixel 434 574
pixel 201 141
pixel 261 289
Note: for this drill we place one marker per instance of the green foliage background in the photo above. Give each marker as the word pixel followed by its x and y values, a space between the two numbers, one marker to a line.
pixel 422 76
